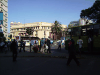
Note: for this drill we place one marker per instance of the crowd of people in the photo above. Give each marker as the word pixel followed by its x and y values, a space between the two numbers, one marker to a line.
pixel 42 46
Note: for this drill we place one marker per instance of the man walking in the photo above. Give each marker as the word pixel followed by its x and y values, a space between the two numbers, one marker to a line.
pixel 71 51
pixel 39 44
pixel 21 45
pixel 48 44
pixel 14 49
pixel 42 45
pixel 80 42
pixel 59 45
pixel 24 46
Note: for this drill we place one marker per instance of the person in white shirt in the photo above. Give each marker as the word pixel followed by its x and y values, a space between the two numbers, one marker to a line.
pixel 59 44
pixel 80 42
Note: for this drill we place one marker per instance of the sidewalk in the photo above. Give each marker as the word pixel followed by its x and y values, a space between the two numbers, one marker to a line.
pixel 53 54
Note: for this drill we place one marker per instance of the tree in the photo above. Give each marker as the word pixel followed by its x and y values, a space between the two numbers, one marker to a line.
pixel 29 31
pixel 92 13
pixel 56 28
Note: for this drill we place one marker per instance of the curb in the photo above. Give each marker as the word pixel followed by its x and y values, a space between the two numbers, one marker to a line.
pixel 47 56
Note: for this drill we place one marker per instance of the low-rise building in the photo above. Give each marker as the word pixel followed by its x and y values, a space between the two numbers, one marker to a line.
pixel 41 29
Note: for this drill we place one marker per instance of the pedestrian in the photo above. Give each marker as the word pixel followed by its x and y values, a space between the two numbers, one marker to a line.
pixel 35 47
pixel 24 45
pixel 71 50
pixel 39 44
pixel 21 45
pixel 80 42
pixel 42 45
pixel 8 45
pixel 45 46
pixel 1 45
pixel 89 42
pixel 48 44
pixel 59 44
pixel 5 47
pixel 14 49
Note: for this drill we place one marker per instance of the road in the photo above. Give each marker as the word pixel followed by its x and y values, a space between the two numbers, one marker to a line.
pixel 48 66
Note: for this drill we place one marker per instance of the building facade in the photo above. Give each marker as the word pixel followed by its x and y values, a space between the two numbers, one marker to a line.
pixel 83 21
pixel 4 17
pixel 74 23
pixel 80 22
pixel 41 29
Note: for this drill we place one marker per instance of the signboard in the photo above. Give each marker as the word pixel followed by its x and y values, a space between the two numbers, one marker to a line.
pixel 1 21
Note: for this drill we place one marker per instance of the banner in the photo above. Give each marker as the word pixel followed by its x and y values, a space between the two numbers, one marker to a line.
pixel 1 21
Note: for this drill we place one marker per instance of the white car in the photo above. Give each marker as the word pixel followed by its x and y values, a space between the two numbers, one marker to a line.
pixel 27 42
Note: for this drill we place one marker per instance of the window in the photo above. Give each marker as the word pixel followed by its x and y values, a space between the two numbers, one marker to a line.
pixel 42 27
pixel 89 27
pixel 48 27
pixel 83 32
pixel 36 27
pixel 96 29
pixel 76 31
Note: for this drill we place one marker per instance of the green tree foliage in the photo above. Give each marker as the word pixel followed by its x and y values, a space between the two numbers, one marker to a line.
pixel 56 28
pixel 29 31
pixel 92 13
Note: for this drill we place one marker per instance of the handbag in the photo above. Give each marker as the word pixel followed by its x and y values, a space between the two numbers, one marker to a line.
pixel 46 47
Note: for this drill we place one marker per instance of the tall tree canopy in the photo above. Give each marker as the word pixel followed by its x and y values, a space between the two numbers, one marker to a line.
pixel 92 13
pixel 56 28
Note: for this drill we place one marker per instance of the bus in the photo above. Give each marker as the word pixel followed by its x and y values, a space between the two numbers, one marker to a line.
pixel 84 32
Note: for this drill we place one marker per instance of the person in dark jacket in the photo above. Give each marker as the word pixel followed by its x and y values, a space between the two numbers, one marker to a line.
pixel 24 46
pixel 21 45
pixel 48 44
pixel 71 51
pixel 14 49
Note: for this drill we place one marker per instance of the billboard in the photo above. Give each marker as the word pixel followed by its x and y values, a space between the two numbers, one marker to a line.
pixel 1 21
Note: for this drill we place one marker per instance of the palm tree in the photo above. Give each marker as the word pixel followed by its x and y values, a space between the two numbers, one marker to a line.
pixel 56 28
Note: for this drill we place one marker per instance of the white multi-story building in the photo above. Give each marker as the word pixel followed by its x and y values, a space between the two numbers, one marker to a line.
pixel 41 29
pixel 4 16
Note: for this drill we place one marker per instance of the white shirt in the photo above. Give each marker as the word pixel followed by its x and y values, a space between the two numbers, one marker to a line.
pixel 80 42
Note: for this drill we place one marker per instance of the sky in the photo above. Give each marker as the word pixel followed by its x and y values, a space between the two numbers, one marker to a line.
pixel 29 11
